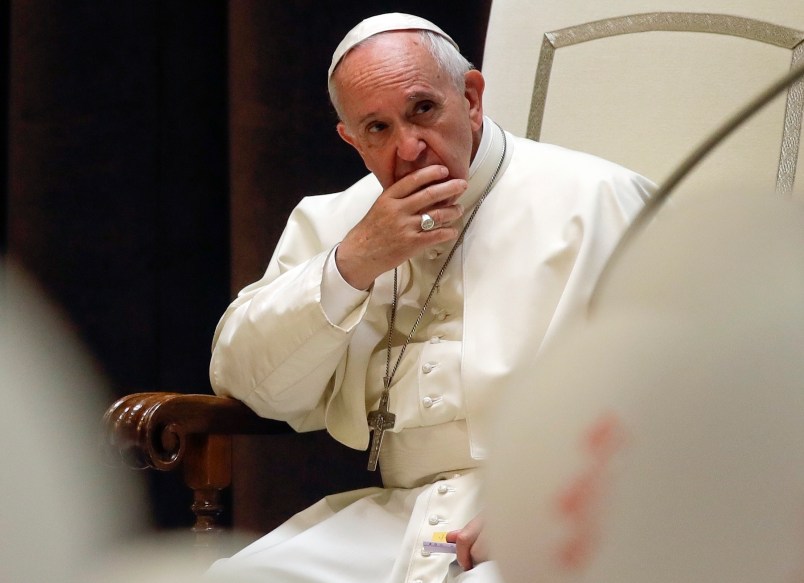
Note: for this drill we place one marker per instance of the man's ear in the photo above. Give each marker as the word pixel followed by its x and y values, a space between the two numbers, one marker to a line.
pixel 347 137
pixel 475 84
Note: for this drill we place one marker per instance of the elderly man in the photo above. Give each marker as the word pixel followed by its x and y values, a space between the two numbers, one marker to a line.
pixel 391 311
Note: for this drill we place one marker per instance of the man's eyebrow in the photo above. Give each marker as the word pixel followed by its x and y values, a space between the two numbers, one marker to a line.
pixel 412 97
pixel 419 95
pixel 368 117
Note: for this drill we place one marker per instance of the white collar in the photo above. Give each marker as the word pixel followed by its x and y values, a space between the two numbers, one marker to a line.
pixel 485 162
pixel 483 147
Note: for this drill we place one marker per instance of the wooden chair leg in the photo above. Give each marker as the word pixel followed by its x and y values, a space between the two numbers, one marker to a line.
pixel 208 470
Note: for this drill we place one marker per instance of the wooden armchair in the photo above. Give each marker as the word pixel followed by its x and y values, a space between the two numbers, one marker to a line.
pixel 204 436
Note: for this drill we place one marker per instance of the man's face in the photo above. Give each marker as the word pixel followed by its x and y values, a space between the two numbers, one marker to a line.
pixel 401 113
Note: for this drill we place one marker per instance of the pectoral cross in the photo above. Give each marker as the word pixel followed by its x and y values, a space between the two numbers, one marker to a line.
pixel 379 420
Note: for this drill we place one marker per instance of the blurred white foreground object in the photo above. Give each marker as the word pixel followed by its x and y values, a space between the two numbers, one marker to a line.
pixel 66 517
pixel 664 442
pixel 62 508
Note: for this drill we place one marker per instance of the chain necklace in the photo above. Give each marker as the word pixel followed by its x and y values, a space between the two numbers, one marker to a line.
pixel 381 419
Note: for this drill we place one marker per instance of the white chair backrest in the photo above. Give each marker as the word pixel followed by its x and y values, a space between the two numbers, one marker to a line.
pixel 644 83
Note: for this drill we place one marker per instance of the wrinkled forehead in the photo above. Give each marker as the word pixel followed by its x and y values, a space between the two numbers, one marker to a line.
pixel 396 64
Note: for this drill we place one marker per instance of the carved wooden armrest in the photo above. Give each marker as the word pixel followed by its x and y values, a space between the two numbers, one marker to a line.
pixel 166 431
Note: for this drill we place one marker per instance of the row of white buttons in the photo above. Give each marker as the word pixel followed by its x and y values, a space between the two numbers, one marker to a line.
pixel 427 368
pixel 435 519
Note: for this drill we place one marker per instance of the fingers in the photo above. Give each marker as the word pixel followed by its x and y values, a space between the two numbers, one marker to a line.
pixel 426 188
pixel 470 544
pixel 436 195
pixel 463 547
pixel 442 216
pixel 417 180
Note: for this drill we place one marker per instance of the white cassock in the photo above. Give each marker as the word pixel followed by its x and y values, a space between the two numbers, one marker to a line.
pixel 525 270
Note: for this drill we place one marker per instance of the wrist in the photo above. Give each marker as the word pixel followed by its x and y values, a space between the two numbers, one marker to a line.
pixel 352 271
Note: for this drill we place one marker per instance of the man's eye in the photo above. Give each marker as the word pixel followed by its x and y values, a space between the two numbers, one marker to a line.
pixel 424 107
pixel 376 128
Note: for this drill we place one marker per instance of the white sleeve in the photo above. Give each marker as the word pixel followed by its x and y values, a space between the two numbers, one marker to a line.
pixel 338 298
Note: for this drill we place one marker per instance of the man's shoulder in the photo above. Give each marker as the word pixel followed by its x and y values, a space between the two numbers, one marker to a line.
pixel 570 177
pixel 566 167
pixel 546 155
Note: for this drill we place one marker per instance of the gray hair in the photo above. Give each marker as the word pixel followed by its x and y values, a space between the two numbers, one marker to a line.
pixel 446 56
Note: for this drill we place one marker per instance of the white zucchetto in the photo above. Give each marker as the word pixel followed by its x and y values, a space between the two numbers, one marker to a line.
pixel 382 23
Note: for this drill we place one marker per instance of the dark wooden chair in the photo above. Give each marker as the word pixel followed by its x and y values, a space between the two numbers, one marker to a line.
pixel 205 436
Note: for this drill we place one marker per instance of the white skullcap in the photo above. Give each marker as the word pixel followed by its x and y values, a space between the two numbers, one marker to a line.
pixel 382 23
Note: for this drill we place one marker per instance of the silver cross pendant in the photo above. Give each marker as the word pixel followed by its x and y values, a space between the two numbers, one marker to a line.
pixel 379 421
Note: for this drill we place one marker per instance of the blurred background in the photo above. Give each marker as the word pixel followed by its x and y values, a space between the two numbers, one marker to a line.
pixel 152 151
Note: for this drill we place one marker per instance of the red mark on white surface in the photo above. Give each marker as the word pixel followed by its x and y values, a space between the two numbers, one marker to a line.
pixel 580 503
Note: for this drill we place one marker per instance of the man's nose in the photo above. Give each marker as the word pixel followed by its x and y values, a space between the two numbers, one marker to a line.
pixel 410 144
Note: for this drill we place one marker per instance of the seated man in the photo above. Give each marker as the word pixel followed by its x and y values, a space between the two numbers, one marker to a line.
pixel 390 311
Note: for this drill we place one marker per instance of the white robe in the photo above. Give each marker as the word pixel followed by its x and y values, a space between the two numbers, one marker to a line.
pixel 525 270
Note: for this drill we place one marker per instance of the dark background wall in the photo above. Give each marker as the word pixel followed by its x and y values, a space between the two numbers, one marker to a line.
pixel 153 152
